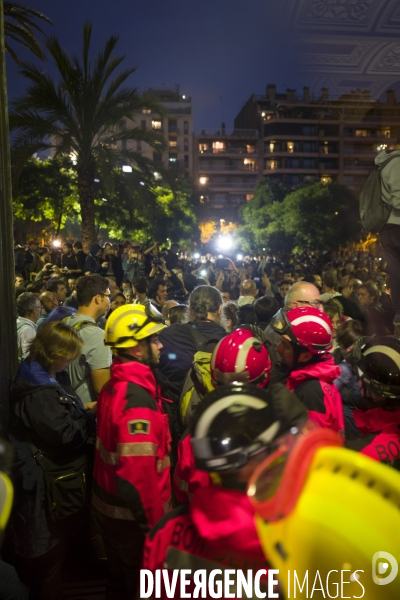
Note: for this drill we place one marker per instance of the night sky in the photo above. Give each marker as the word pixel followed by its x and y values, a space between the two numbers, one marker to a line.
pixel 211 48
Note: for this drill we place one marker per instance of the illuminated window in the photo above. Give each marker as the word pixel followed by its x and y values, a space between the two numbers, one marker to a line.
pixel 249 197
pixel 146 111
pixel 326 148
pixel 361 133
pixel 249 164
pixel 326 179
pixel 271 146
pixel 218 147
pixel 250 149
pixel 203 180
pixel 173 143
pixel 156 124
pixel 272 164
pixel 172 158
pixel 381 147
pixel 385 132
pixel 290 147
pixel 203 148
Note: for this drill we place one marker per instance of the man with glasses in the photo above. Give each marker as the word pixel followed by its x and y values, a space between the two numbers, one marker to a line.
pixel 28 310
pixel 91 371
pixel 299 294
pixel 131 487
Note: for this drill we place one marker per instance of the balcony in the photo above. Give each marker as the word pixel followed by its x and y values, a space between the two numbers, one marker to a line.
pixel 229 151
pixel 232 185
pixel 173 129
pixel 365 168
pixel 239 167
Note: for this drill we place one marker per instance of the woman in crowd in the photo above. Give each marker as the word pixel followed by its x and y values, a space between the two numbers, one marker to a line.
pixel 49 426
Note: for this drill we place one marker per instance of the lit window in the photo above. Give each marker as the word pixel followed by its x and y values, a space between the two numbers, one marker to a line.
pixel 218 147
pixel 361 133
pixel 249 197
pixel 290 147
pixel 172 158
pixel 385 132
pixel 156 124
pixel 146 111
pixel 272 164
pixel 326 179
pixel 271 146
pixel 250 149
pixel 203 180
pixel 203 148
pixel 249 164
pixel 173 143
pixel 381 147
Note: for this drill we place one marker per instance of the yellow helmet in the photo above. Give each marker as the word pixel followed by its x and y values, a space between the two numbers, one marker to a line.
pixel 343 527
pixel 129 324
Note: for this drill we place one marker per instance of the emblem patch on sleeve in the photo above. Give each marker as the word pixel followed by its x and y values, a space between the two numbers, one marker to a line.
pixel 138 426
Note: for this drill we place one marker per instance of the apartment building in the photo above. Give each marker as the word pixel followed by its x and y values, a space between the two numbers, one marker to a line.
pixel 227 166
pixel 320 139
pixel 176 127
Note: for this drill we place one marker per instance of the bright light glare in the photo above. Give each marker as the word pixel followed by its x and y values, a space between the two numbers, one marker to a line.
pixel 239 257
pixel 141 182
pixel 225 242
pixel 196 256
pixel 127 169
pixel 203 273
pixel 56 243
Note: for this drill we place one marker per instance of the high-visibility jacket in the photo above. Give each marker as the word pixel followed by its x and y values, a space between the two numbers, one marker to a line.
pixel 379 434
pixel 132 468
pixel 187 479
pixel 313 385
pixel 215 531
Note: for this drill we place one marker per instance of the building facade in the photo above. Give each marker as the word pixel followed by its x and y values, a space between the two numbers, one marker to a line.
pixel 176 126
pixel 227 166
pixel 320 139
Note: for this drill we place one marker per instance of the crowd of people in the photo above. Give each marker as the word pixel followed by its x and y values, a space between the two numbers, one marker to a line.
pixel 160 382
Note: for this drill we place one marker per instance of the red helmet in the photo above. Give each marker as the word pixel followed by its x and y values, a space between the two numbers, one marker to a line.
pixel 241 357
pixel 307 326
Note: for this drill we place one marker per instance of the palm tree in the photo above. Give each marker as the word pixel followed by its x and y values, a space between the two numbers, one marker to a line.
pixel 84 115
pixel 19 22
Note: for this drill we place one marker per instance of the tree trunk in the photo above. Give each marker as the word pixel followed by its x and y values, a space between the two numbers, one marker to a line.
pixel 86 190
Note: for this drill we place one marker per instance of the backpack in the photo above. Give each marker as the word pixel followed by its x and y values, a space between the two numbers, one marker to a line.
pixel 79 324
pixel 198 380
pixel 374 212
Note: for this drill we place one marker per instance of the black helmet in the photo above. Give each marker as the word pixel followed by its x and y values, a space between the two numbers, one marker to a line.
pixel 235 422
pixel 380 366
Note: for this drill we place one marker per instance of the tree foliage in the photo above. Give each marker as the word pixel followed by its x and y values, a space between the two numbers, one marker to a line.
pixel 46 194
pixel 19 25
pixel 318 216
pixel 144 209
pixel 84 113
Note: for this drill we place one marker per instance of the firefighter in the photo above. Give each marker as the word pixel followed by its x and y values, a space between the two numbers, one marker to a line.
pixel 375 430
pixel 235 427
pixel 325 516
pixel 131 487
pixel 306 338
pixel 241 356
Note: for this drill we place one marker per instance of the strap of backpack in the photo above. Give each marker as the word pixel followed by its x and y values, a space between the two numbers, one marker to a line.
pixel 199 340
pixel 387 161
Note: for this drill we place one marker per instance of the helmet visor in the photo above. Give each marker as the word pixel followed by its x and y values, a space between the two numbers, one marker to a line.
pixel 277 482
pixel 280 323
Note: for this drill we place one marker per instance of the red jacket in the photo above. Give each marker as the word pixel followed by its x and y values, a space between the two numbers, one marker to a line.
pixel 131 468
pixel 216 531
pixel 381 434
pixel 315 388
pixel 187 479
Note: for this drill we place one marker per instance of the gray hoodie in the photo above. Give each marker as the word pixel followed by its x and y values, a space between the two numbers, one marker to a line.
pixel 390 178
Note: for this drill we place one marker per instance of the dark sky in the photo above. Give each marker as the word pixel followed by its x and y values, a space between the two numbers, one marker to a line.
pixel 212 48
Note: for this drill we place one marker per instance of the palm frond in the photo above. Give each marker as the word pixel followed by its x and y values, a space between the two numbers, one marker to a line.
pixel 19 23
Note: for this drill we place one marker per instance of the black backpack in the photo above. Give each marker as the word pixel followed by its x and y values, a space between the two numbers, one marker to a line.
pixel 374 212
